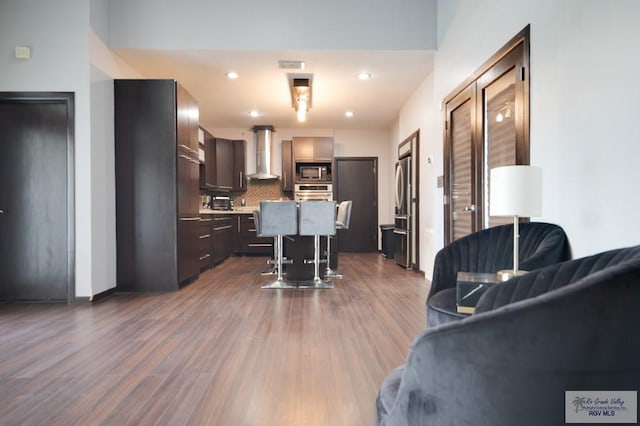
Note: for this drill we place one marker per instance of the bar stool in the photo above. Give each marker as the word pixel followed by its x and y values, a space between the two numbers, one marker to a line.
pixel 272 260
pixel 342 222
pixel 317 218
pixel 277 219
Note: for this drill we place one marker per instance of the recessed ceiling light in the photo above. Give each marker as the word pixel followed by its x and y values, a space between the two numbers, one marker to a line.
pixel 254 113
pixel 348 114
pixel 364 75
pixel 232 75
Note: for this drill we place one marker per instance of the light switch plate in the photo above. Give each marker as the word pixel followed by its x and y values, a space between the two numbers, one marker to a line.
pixel 23 52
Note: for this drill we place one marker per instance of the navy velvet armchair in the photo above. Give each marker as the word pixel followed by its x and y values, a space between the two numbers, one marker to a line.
pixel 569 326
pixel 490 250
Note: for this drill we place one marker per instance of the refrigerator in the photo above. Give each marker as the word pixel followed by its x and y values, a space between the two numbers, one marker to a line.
pixel 402 218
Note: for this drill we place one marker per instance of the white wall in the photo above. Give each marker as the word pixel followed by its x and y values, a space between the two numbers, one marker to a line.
pixel 371 143
pixel 103 229
pixel 583 103
pixel 68 55
pixel 281 25
pixel 105 66
pixel 420 112
pixel 583 99
pixel 56 31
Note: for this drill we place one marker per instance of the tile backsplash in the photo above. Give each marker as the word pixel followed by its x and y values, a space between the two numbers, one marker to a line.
pixel 258 190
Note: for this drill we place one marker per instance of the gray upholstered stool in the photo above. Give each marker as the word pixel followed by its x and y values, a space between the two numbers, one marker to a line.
pixel 277 219
pixel 272 260
pixel 342 222
pixel 317 218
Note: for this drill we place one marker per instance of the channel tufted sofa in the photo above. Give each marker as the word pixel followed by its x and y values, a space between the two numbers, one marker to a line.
pixel 490 250
pixel 569 326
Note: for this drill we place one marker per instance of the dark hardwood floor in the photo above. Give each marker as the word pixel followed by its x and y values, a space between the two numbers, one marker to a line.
pixel 220 351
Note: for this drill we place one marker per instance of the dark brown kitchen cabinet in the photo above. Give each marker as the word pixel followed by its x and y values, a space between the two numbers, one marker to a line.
pixel 208 170
pixel 188 248
pixel 222 237
pixel 205 242
pixel 202 169
pixel 246 239
pixel 239 165
pixel 156 168
pixel 287 166
pixel 224 164
pixel 313 149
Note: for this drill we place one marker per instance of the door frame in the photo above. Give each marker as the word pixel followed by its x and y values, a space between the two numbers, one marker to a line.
pixel 468 94
pixel 413 140
pixel 472 88
pixel 68 98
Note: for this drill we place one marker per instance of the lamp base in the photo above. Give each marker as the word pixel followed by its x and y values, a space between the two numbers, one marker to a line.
pixel 507 274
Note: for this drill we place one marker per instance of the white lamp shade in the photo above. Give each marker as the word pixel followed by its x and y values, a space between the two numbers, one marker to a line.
pixel 515 191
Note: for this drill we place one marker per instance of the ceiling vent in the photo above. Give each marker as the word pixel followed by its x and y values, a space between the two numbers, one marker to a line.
pixel 291 65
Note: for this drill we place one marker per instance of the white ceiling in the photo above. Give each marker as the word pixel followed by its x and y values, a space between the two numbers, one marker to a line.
pixel 263 86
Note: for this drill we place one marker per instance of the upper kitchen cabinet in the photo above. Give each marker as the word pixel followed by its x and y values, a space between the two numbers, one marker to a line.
pixel 156 168
pixel 239 165
pixel 208 170
pixel 224 164
pixel 312 149
pixel 188 118
pixel 287 166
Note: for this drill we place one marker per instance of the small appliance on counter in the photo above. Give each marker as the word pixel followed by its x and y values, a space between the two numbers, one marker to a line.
pixel 205 201
pixel 221 202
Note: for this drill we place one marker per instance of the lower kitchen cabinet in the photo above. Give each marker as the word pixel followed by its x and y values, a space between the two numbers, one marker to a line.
pixel 222 235
pixel 205 242
pixel 246 241
pixel 188 230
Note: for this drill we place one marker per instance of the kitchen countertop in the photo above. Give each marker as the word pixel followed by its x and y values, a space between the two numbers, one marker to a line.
pixel 236 210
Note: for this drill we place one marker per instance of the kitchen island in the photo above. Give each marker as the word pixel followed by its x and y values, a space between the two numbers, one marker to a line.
pixel 232 232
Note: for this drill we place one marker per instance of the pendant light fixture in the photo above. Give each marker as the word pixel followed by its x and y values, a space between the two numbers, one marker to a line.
pixel 301 94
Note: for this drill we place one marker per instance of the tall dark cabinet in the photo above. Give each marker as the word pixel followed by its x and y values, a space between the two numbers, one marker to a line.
pixel 157 181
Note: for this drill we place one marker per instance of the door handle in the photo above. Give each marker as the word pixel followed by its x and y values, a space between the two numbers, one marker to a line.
pixel 471 208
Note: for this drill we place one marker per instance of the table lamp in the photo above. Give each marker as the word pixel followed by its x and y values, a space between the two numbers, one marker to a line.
pixel 515 191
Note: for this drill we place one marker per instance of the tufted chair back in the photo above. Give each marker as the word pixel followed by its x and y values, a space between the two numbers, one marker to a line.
pixel 491 250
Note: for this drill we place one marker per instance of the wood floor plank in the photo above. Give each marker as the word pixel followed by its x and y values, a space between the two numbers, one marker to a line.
pixel 221 351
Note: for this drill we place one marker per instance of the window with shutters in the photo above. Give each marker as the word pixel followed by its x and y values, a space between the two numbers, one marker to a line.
pixel 486 126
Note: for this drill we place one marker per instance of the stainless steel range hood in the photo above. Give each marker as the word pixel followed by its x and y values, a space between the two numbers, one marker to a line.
pixel 264 153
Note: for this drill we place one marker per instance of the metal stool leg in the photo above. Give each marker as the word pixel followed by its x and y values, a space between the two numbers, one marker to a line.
pixel 279 282
pixel 274 269
pixel 328 272
pixel 317 281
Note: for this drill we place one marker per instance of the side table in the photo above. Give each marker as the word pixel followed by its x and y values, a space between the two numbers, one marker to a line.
pixel 469 287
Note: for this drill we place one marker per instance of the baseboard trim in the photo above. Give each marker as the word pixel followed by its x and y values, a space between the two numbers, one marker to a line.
pixel 95 298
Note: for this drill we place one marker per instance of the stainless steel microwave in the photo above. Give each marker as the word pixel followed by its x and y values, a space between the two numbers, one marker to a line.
pixel 314 173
